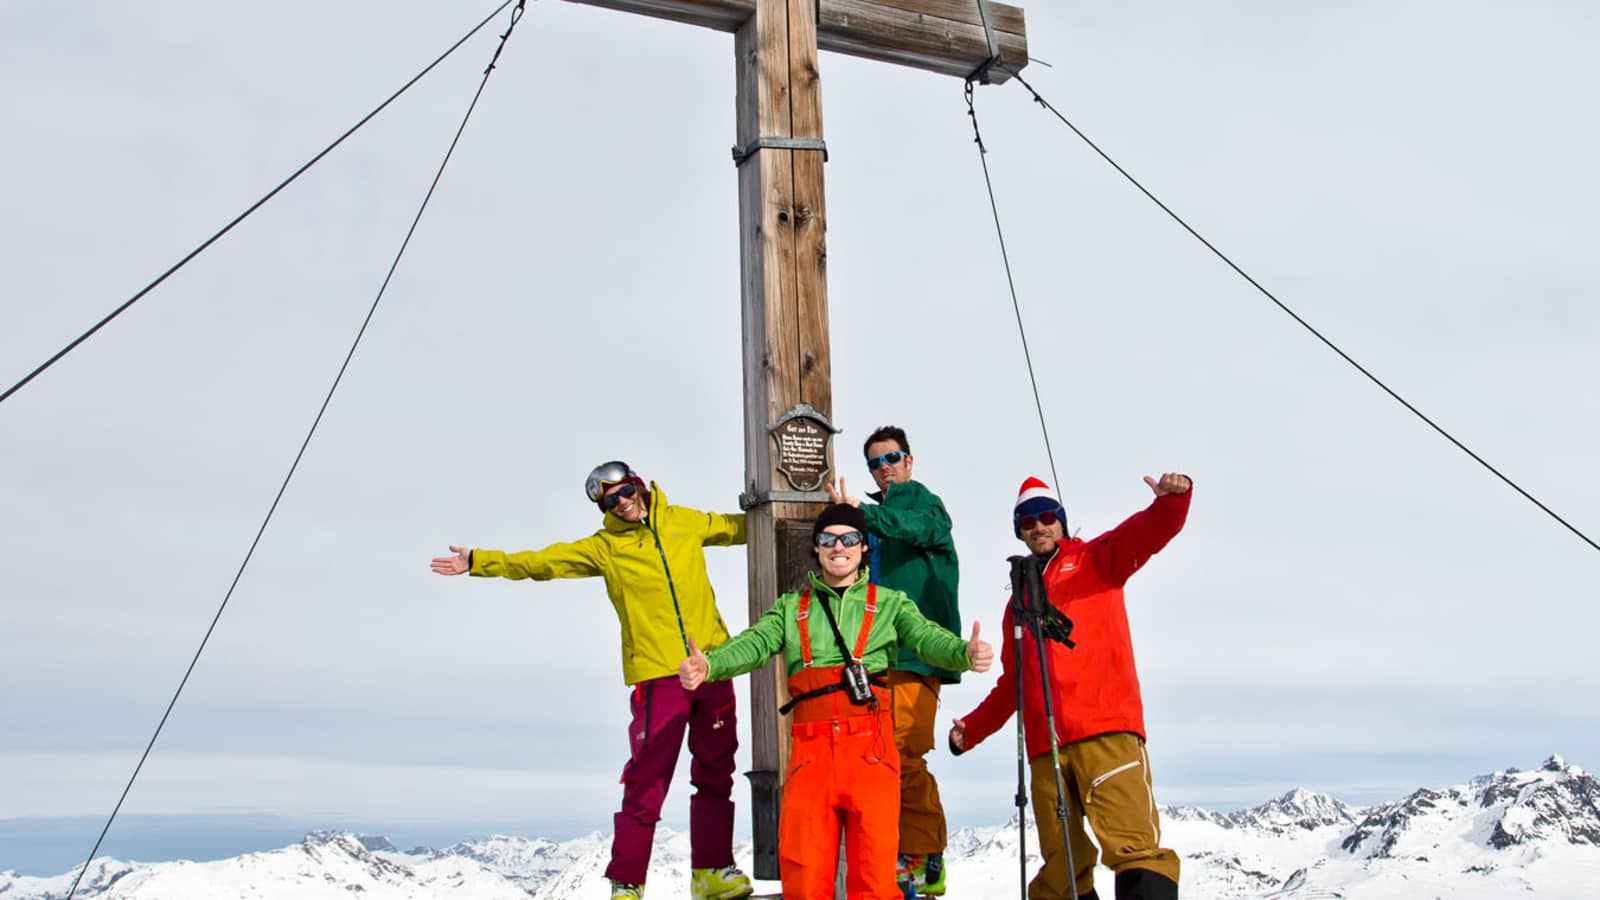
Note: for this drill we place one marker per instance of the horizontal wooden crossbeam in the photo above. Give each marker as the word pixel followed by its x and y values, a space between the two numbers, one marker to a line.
pixel 944 36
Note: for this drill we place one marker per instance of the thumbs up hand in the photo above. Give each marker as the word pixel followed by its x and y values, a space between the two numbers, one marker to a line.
pixel 979 653
pixel 693 670
pixel 1170 483
pixel 958 737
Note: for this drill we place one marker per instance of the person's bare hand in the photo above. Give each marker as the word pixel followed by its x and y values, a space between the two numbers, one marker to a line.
pixel 838 495
pixel 453 565
pixel 979 653
pixel 1170 483
pixel 958 734
pixel 693 670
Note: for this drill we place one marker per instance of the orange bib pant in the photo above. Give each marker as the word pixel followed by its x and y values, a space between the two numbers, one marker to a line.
pixel 844 773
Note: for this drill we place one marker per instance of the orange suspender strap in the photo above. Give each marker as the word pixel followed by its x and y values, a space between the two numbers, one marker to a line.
pixel 803 616
pixel 805 633
pixel 866 621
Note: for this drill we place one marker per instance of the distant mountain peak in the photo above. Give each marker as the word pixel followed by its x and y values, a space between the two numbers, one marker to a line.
pixel 1557 803
pixel 1297 809
pixel 369 842
pixel 1556 763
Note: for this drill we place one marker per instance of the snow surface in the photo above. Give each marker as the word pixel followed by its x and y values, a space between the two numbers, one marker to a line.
pixel 1507 834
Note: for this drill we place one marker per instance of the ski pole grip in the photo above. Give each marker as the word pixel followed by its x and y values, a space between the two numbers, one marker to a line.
pixel 1028 595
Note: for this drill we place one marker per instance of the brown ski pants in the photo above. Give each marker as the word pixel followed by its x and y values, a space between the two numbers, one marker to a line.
pixel 1107 779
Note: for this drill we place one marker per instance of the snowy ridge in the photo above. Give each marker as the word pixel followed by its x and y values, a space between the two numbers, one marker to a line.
pixel 324 865
pixel 1298 809
pixel 1557 803
pixel 1507 833
pixel 528 863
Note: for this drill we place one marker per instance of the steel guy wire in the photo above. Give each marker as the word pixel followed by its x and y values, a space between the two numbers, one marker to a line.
pixel 1302 322
pixel 516 14
pixel 254 206
pixel 983 157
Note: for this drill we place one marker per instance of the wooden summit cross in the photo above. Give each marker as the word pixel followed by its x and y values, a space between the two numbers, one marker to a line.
pixel 788 392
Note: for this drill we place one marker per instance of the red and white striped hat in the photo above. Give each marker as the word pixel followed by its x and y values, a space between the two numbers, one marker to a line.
pixel 1034 498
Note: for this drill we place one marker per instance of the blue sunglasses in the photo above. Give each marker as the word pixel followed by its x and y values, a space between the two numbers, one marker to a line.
pixel 891 458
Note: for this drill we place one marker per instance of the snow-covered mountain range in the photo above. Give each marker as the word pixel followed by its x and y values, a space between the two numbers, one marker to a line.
pixel 1511 833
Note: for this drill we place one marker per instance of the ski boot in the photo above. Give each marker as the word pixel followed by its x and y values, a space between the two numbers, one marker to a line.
pixel 621 890
pixel 722 883
pixel 924 874
pixel 929 877
pixel 905 869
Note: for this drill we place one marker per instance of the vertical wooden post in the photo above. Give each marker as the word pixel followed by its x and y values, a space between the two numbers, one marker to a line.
pixel 783 257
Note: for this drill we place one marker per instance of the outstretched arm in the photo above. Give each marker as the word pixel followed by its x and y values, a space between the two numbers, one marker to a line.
pixel 723 529
pixel 935 644
pixel 1123 550
pixel 577 559
pixel 751 648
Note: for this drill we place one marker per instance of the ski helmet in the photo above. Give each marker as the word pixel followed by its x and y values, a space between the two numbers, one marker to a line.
pixel 607 474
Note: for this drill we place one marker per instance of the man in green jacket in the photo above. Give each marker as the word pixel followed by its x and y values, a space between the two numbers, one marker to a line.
pixel 914 553
pixel 649 553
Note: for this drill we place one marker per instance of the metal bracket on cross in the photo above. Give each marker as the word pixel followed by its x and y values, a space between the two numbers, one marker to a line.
pixel 981 73
pixel 751 501
pixel 742 153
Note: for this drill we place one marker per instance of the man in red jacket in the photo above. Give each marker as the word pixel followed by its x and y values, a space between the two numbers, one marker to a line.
pixel 1099 717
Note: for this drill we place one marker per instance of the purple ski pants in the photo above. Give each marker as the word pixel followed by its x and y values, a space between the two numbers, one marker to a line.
pixel 662 712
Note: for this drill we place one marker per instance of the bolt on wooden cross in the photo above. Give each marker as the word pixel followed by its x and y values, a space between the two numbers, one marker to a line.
pixel 783 262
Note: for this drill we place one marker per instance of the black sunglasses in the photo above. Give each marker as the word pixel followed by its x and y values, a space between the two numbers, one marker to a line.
pixel 610 501
pixel 891 458
pixel 849 539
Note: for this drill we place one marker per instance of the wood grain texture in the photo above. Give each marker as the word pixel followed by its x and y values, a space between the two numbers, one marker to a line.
pixel 944 36
pixel 890 33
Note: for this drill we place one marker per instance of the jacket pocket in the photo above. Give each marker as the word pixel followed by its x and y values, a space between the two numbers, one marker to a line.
pixel 1107 776
pixel 643 695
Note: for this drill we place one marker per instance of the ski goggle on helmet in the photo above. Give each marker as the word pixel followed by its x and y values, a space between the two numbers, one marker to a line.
pixel 606 475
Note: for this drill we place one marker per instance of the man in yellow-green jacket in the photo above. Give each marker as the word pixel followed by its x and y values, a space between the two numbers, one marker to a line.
pixel 650 554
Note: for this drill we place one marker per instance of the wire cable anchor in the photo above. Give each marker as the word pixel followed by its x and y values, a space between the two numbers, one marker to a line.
pixel 516 16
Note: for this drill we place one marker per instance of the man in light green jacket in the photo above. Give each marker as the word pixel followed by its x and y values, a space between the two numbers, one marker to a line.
pixel 838 636
pixel 650 554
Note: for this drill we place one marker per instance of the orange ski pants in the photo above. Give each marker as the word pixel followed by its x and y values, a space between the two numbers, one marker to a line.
pixel 844 773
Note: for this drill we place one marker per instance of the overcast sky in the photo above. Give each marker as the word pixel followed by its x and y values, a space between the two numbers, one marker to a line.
pixel 1355 606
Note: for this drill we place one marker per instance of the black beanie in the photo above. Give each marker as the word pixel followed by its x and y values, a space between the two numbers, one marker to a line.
pixel 840 514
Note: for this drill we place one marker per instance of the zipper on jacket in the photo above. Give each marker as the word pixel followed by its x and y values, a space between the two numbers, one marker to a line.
pixel 671 589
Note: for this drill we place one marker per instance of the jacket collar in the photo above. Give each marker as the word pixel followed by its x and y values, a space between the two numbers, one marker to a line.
pixel 818 585
pixel 904 485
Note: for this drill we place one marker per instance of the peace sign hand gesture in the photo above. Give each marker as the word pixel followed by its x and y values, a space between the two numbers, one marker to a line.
pixel 838 495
